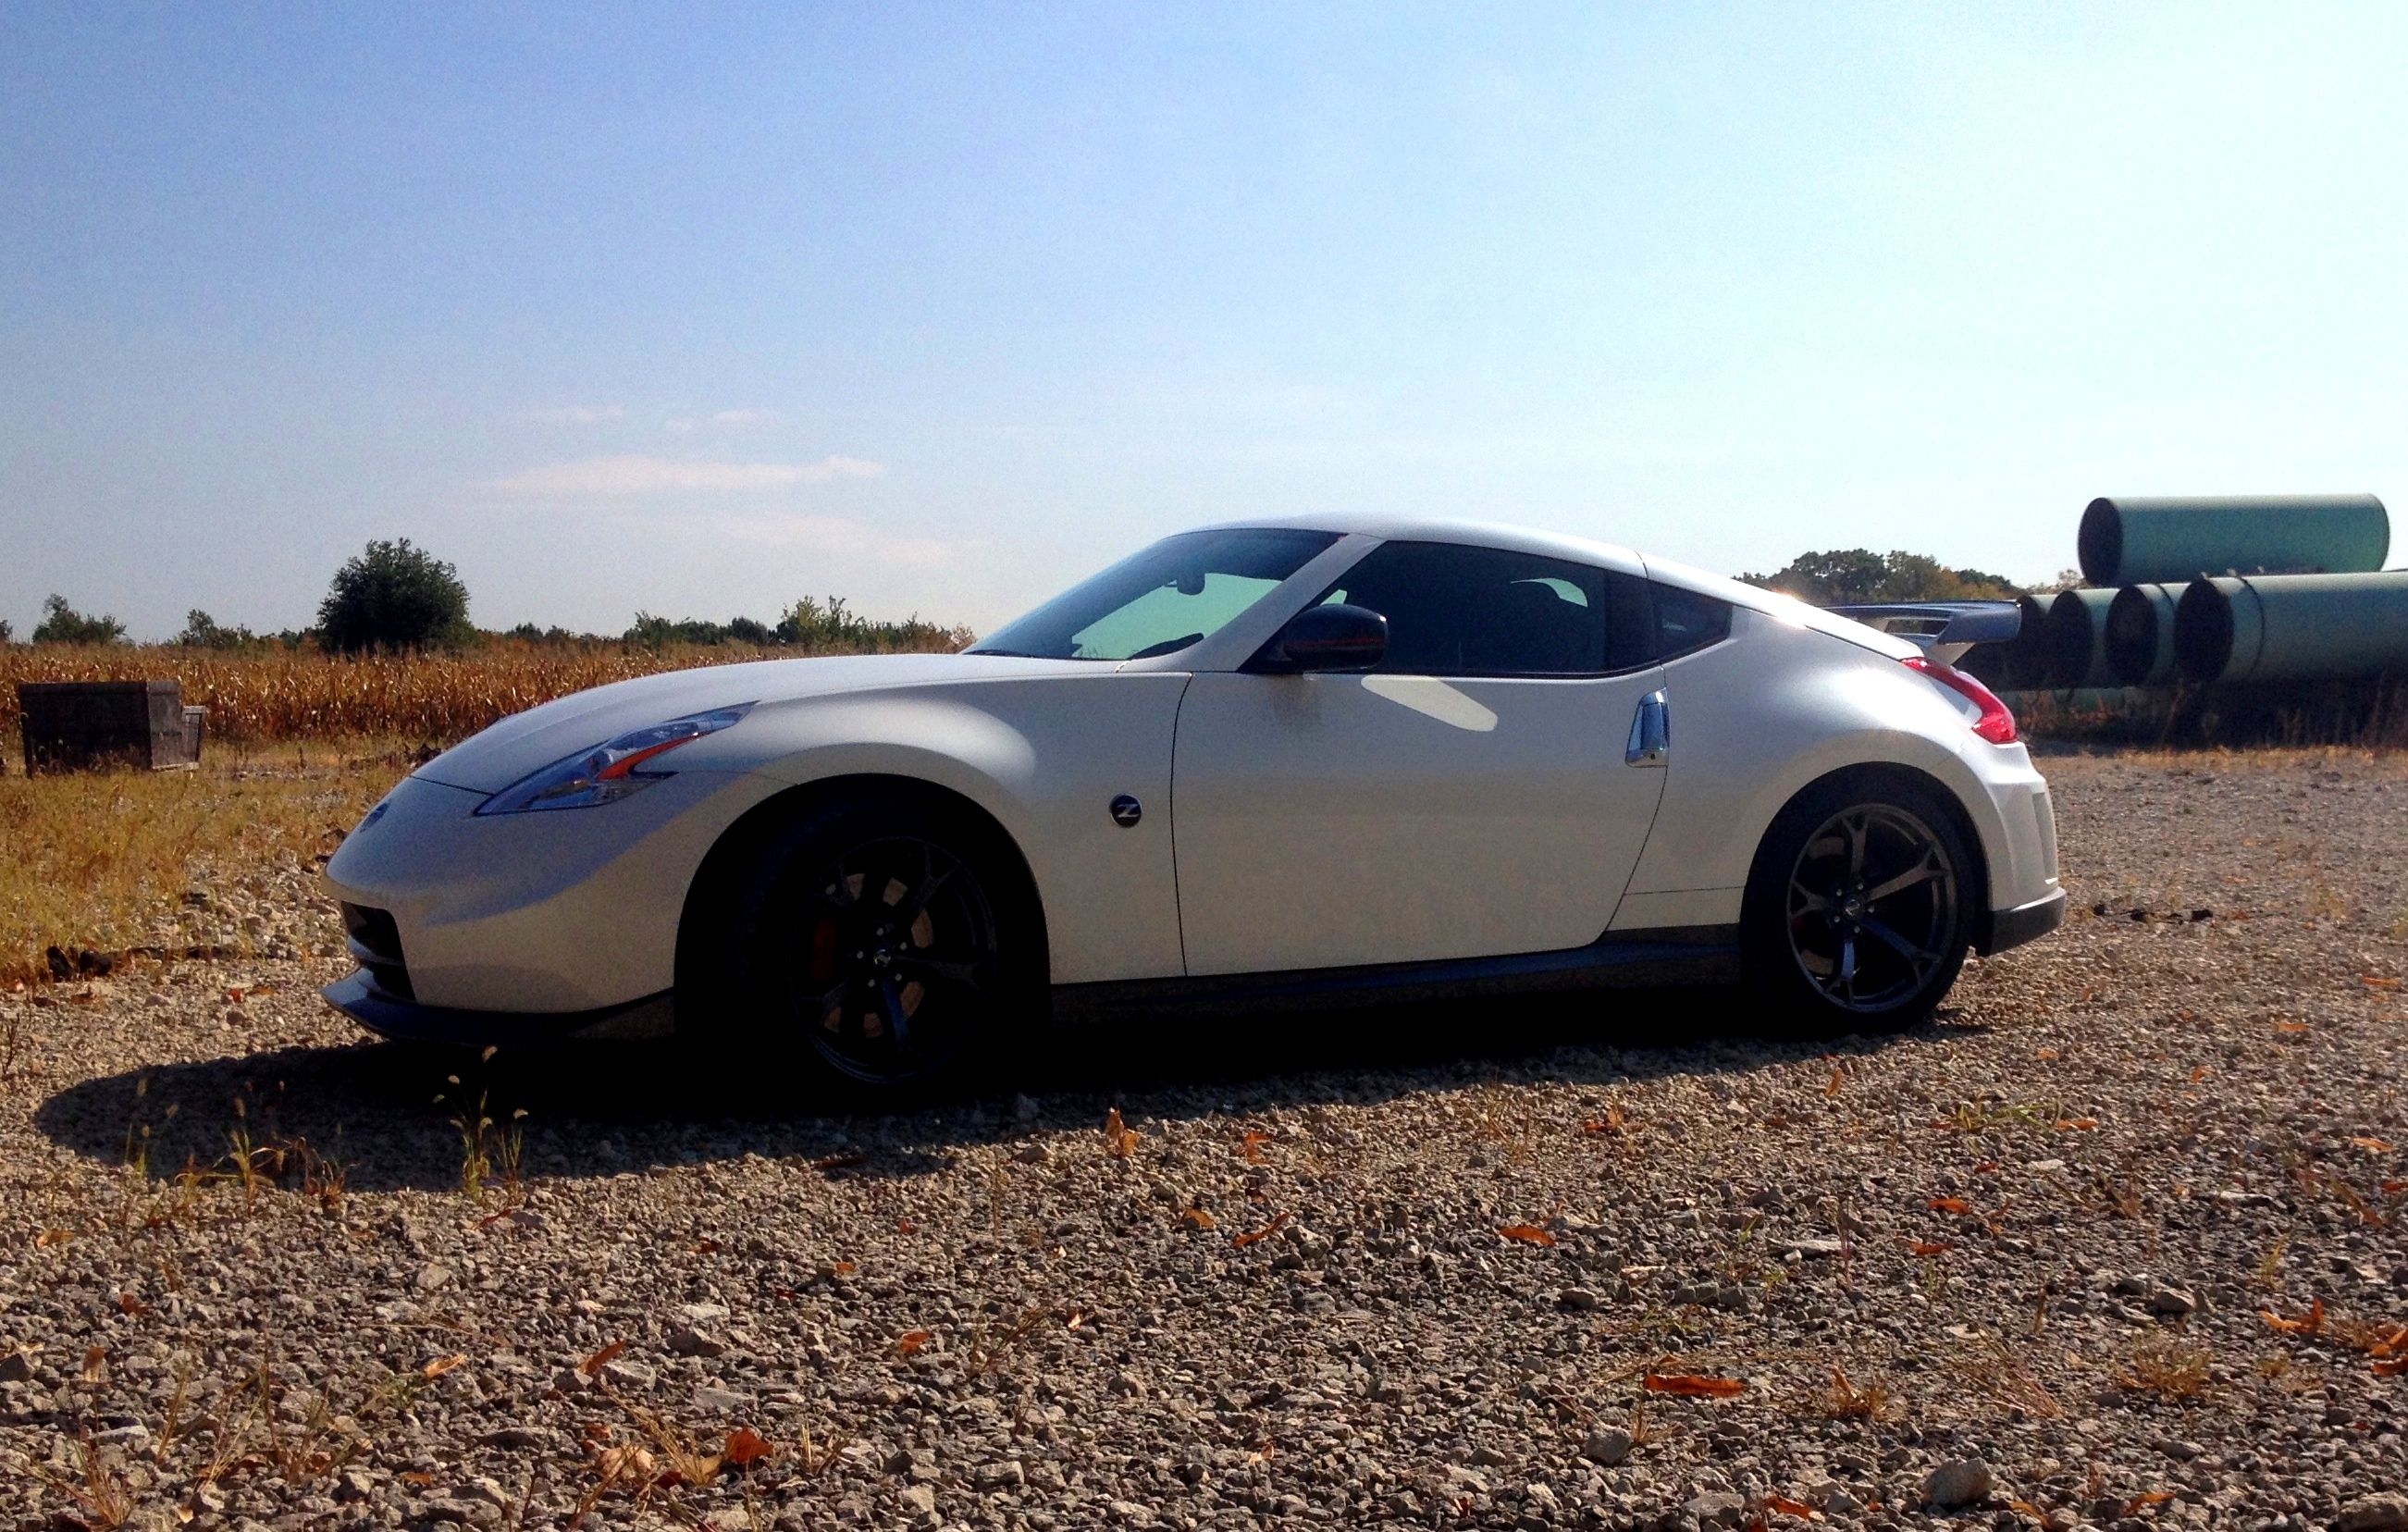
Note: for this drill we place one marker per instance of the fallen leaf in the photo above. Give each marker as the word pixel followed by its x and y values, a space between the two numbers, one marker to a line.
pixel 1949 1204
pixel 1789 1507
pixel 601 1359
pixel 1987 1167
pixel 2291 1029
pixel 2372 982
pixel 1256 1236
pixel 2393 1368
pixel 911 1341
pixel 1198 1218
pixel 1928 1247
pixel 746 1445
pixel 2077 1124
pixel 708 1246
pixel 1839 1074
pixel 416 1478
pixel 1615 1121
pixel 2198 1074
pixel 442 1365
pixel 53 1236
pixel 2310 1323
pixel 128 1304
pixel 904 1225
pixel 842 1269
pixel 2372 1145
pixel 1529 1233
pixel 2143 1501
pixel 1075 1318
pixel 1697 1385
pixel 2050 1055
pixel 1119 1140
pixel 95 1363
pixel 1250 1146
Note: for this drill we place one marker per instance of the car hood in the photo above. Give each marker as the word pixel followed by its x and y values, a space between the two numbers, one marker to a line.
pixel 524 742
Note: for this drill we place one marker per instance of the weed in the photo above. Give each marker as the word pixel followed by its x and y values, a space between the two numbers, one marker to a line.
pixel 103 1499
pixel 1994 1371
pixel 2167 1365
pixel 2270 1266
pixel 1843 1399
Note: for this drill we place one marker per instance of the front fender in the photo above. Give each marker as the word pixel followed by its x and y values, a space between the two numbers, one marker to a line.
pixel 1044 756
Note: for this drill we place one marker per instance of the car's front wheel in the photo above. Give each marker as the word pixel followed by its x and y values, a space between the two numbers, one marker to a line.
pixel 1859 909
pixel 875 940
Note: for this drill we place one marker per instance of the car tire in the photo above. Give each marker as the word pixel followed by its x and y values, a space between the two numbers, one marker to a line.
pixel 877 944
pixel 1861 905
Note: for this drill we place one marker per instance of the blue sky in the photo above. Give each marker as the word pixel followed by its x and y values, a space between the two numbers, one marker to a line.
pixel 698 309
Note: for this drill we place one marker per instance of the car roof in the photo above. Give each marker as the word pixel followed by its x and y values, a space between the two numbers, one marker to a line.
pixel 1523 539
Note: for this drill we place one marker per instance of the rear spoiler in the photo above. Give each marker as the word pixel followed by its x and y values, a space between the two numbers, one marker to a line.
pixel 1942 629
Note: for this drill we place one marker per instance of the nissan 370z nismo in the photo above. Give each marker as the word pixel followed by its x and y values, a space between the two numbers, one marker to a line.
pixel 1274 766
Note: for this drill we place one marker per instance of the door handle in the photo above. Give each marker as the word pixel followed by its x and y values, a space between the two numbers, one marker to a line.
pixel 1651 732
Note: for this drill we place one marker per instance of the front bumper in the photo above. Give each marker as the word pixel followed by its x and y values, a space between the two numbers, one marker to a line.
pixel 2024 923
pixel 358 997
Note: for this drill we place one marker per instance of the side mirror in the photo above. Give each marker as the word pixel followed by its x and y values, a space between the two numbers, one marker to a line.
pixel 1331 637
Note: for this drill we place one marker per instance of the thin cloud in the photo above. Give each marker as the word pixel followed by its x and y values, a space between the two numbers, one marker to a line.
pixel 631 474
pixel 725 419
pixel 577 414
pixel 827 535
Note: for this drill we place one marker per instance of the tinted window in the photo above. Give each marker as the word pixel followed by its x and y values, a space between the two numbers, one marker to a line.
pixel 1161 599
pixel 1686 621
pixel 1453 610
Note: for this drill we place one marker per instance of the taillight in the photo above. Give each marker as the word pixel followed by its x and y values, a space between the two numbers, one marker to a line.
pixel 1995 724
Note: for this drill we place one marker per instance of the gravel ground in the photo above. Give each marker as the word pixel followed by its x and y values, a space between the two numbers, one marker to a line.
pixel 1420 1268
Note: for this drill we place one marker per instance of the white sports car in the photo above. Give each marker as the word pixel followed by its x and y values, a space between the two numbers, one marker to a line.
pixel 1282 765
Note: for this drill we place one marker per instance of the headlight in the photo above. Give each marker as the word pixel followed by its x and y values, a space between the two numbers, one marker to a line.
pixel 609 771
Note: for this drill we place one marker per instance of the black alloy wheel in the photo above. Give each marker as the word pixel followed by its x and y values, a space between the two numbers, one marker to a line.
pixel 898 951
pixel 880 944
pixel 1860 908
pixel 1871 907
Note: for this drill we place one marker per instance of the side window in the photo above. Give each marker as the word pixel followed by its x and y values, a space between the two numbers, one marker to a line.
pixel 1686 621
pixel 1454 611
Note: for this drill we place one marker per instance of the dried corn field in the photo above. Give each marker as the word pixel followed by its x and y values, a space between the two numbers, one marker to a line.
pixel 272 695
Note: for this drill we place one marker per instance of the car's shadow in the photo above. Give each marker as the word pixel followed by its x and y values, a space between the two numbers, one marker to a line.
pixel 392 1116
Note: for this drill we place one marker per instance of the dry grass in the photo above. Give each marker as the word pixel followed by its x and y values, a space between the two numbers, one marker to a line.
pixel 271 694
pixel 101 860
pixel 2167 1365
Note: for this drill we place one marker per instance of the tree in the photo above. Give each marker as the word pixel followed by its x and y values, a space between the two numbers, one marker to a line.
pixel 6 631
pixel 201 631
pixel 395 596
pixel 1852 576
pixel 63 624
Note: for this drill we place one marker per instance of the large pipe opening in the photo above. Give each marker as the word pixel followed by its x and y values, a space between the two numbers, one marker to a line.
pixel 2073 638
pixel 2099 547
pixel 2132 632
pixel 2203 631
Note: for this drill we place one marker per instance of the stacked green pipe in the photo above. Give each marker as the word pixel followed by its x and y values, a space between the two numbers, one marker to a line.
pixel 2148 540
pixel 2292 627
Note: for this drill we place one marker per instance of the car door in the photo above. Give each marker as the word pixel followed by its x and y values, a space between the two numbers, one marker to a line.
pixel 1469 796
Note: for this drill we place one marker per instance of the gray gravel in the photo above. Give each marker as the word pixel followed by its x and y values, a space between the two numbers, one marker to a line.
pixel 2010 1270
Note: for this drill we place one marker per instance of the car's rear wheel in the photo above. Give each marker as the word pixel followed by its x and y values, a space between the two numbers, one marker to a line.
pixel 875 940
pixel 1859 909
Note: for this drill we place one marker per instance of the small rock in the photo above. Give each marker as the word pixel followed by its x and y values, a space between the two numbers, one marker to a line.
pixel 1608 1446
pixel 2173 1302
pixel 16 1367
pixel 1579 1299
pixel 1716 1507
pixel 525 1437
pixel 921 1498
pixel 1007 1474
pixel 1960 1482
pixel 628 1374
pixel 432 1276
pixel 2375 1514
pixel 687 1341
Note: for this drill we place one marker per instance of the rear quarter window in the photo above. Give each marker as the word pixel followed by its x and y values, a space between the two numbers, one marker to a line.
pixel 1687 622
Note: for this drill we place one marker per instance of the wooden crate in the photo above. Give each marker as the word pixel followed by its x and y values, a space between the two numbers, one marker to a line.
pixel 76 726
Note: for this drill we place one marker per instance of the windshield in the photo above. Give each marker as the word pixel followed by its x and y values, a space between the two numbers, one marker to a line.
pixel 1160 600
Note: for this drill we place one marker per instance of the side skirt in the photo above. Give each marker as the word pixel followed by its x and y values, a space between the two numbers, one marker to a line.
pixel 1705 955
